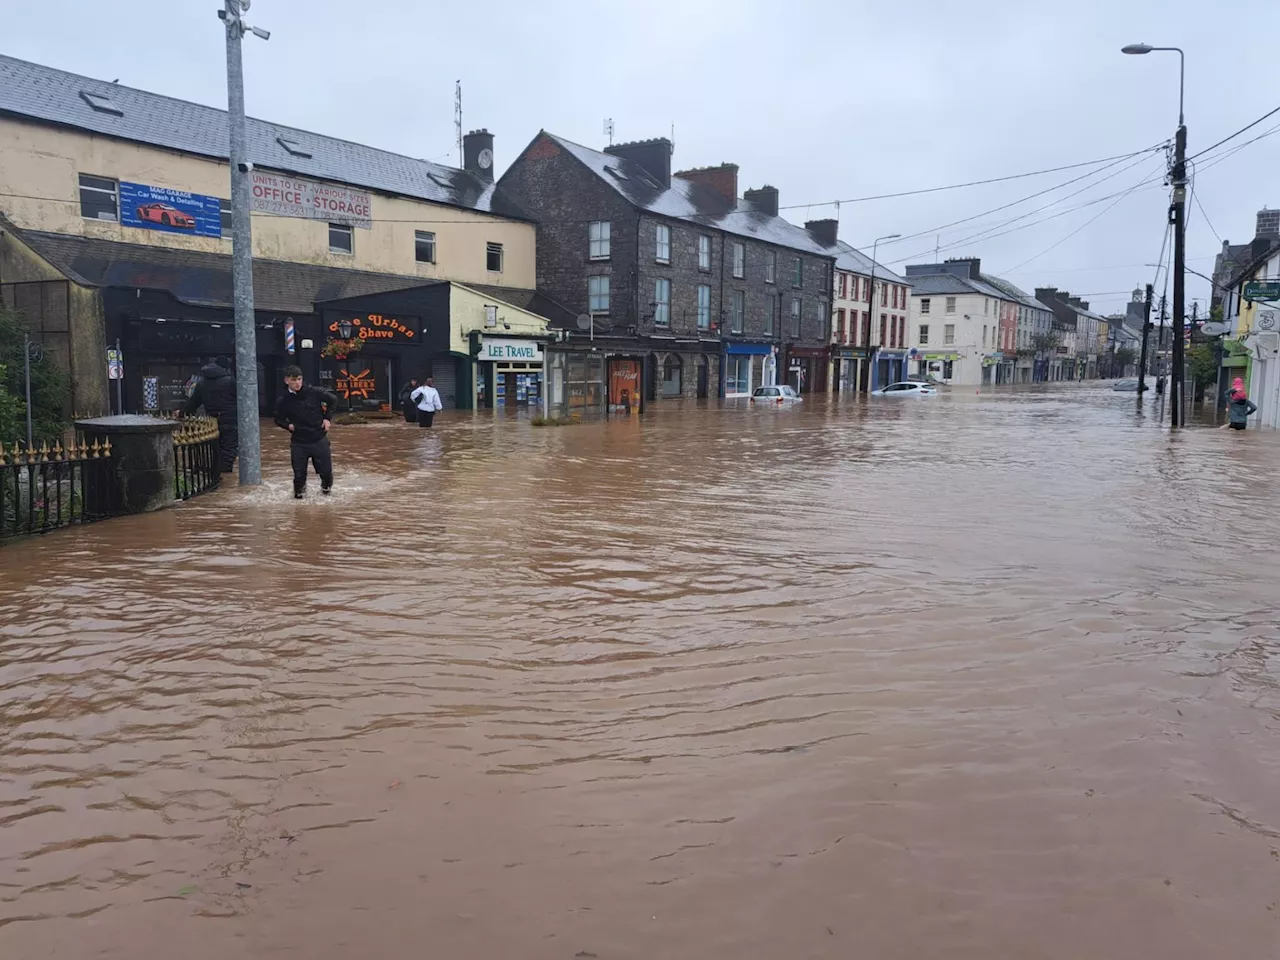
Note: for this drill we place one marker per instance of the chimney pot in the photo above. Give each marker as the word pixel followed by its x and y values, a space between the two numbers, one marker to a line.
pixel 654 156
pixel 722 180
pixel 765 199
pixel 824 231
pixel 473 144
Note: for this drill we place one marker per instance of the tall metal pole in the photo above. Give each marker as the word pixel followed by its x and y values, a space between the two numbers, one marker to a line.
pixel 1146 328
pixel 26 368
pixel 120 380
pixel 242 255
pixel 1178 214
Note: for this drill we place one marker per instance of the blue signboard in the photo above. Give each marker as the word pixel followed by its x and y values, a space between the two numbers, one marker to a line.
pixel 172 211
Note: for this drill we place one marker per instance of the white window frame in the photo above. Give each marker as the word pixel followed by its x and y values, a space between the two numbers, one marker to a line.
pixel 599 235
pixel 490 248
pixel 704 253
pixel 341 230
pixel 739 260
pixel 948 334
pixel 424 238
pixel 925 305
pixel 738 312
pixel 797 318
pixel 951 306
pixel 598 295
pixel 704 306
pixel 922 335
pixel 662 243
pixel 771 267
pixel 661 303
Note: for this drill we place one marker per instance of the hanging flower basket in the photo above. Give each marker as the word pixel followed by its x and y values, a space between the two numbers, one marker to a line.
pixel 341 349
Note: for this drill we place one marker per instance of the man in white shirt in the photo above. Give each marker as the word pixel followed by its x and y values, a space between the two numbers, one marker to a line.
pixel 427 397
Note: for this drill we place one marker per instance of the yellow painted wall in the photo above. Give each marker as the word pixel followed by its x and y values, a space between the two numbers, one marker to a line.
pixel 39 189
pixel 466 313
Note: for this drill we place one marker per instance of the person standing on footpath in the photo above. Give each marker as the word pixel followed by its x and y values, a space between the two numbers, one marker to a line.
pixel 216 392
pixel 427 397
pixel 306 412
pixel 1239 406
pixel 406 401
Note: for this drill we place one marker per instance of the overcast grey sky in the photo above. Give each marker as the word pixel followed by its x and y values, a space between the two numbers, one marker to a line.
pixel 822 98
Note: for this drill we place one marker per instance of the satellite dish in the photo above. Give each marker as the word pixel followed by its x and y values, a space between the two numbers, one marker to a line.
pixel 1213 329
pixel 584 321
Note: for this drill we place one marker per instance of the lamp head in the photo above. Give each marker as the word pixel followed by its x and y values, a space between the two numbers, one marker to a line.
pixel 1137 49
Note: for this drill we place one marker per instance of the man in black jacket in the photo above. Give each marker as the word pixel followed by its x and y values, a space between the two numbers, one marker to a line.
pixel 306 412
pixel 216 392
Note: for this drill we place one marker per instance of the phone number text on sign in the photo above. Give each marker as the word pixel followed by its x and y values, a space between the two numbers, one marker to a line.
pixel 291 197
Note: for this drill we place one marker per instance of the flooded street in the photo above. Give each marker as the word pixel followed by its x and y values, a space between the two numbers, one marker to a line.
pixel 975 677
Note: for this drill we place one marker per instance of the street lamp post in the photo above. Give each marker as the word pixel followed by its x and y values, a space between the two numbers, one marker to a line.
pixel 871 301
pixel 242 246
pixel 1177 216
pixel 344 331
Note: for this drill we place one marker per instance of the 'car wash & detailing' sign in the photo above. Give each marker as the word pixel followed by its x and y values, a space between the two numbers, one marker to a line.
pixel 291 197
pixel 170 211
pixel 377 327
pixel 502 350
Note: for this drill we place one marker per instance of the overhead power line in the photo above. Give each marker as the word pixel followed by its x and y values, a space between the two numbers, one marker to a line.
pixel 977 183
pixel 1247 126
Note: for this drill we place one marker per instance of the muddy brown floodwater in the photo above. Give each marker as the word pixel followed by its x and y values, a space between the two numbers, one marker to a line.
pixel 975 677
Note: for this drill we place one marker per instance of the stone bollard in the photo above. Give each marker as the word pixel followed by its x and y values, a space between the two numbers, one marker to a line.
pixel 142 459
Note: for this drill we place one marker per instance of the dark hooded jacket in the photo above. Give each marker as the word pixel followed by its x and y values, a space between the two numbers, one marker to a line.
pixel 216 392
pixel 306 412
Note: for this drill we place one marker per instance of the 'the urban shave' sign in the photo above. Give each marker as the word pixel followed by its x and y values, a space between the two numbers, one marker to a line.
pixel 506 351
pixel 292 197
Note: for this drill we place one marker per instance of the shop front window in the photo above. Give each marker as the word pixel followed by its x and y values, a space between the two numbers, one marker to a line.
pixel 737 380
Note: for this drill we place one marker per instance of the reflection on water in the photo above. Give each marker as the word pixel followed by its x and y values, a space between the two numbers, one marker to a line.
pixel 968 677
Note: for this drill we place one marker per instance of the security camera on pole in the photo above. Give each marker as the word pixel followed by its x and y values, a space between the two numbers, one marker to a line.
pixel 242 246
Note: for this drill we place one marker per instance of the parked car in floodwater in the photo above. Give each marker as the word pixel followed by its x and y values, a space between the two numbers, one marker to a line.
pixel 781 393
pixel 907 388
pixel 1127 385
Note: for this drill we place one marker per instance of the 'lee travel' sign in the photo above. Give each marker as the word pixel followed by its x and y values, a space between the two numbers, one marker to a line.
pixel 507 351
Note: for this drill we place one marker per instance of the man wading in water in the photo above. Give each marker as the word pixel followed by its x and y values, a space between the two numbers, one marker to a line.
pixel 306 413
pixel 216 392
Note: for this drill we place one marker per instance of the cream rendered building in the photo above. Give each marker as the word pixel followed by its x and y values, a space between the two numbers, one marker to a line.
pixel 117 196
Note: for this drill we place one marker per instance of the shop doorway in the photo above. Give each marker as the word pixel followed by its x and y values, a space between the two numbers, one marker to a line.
pixel 624 387
pixel 704 378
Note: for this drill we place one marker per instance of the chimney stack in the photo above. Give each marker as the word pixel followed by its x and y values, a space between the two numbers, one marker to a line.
pixel 477 154
pixel 653 155
pixel 764 199
pixel 823 231
pixel 722 180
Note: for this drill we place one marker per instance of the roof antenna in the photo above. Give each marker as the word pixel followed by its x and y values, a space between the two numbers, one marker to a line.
pixel 457 116
pixel 673 136
pixel 608 128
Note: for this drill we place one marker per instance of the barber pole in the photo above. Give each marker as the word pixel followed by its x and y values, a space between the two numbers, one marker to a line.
pixel 288 336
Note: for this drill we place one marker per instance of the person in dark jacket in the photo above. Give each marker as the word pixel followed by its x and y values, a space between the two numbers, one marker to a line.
pixel 1239 406
pixel 407 403
pixel 216 392
pixel 306 412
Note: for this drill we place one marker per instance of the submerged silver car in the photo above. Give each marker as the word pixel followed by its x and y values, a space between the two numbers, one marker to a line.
pixel 781 393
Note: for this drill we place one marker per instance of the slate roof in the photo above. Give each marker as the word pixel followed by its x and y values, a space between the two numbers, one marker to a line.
pixel 203 279
pixel 948 283
pixel 54 96
pixel 692 202
pixel 855 261
pixel 1015 292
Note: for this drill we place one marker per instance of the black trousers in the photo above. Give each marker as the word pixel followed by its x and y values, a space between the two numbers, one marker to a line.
pixel 410 412
pixel 425 417
pixel 228 447
pixel 317 453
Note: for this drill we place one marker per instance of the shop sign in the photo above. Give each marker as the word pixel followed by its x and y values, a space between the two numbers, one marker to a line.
pixel 359 384
pixel 170 211
pixel 293 197
pixel 496 349
pixel 115 364
pixel 379 327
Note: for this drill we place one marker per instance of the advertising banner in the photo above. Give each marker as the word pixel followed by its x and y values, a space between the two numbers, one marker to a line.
pixel 170 211
pixel 292 197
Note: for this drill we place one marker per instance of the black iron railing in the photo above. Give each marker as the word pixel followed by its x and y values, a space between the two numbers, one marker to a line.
pixel 195 457
pixel 46 488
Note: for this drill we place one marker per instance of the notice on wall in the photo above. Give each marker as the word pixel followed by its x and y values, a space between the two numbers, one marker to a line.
pixel 170 211
pixel 293 197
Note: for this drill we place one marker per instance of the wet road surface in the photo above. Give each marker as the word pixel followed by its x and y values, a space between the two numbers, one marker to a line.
pixel 973 677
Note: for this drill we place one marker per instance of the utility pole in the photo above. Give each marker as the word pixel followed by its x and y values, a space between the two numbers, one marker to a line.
pixel 1155 359
pixel 1146 328
pixel 1178 216
pixel 242 247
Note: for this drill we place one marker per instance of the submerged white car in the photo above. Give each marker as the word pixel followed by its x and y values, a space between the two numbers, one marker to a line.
pixel 782 393
pixel 907 388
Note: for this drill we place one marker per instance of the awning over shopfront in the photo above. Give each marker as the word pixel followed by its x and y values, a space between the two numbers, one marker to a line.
pixel 202 279
pixel 735 347
pixel 939 357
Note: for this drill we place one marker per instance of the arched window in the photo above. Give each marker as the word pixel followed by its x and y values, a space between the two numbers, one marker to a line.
pixel 671 375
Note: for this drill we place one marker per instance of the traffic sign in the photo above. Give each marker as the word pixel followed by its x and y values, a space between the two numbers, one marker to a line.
pixel 115 364
pixel 1262 290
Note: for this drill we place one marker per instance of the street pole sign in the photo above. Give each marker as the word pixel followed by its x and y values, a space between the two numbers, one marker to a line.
pixel 1262 290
